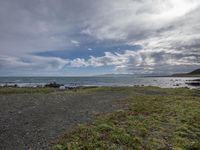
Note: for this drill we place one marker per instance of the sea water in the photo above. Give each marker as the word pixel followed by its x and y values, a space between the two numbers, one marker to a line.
pixel 166 82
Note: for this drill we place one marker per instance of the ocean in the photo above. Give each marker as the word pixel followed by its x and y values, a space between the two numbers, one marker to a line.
pixel 164 82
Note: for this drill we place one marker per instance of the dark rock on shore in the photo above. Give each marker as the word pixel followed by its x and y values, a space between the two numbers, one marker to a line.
pixel 53 85
pixel 195 82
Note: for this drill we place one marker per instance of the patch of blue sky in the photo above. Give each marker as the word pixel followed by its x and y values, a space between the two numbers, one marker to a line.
pixel 90 49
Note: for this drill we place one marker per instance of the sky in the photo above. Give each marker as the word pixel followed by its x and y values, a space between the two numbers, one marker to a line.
pixel 83 38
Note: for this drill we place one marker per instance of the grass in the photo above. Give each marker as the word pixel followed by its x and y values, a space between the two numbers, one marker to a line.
pixel 156 119
pixel 13 90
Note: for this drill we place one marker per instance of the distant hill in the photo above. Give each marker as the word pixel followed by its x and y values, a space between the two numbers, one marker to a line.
pixel 116 75
pixel 190 74
pixel 197 71
pixel 128 75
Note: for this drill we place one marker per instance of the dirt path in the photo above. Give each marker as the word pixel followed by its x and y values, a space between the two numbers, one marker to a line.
pixel 32 121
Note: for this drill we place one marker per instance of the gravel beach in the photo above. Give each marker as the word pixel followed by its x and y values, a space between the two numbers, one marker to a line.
pixel 33 121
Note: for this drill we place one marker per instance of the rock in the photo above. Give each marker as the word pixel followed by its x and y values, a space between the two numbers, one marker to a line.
pixel 54 85
pixel 195 82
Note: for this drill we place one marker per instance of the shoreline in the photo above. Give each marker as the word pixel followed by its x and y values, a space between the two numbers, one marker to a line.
pixel 65 83
pixel 187 84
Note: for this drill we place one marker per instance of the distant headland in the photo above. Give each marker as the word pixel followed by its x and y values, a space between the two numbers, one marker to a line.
pixel 195 73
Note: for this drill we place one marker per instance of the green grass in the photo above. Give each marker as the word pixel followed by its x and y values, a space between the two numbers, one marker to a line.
pixel 156 119
pixel 13 90
pixel 127 90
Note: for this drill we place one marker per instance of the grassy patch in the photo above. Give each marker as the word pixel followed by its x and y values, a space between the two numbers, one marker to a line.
pixel 12 90
pixel 158 119
pixel 128 90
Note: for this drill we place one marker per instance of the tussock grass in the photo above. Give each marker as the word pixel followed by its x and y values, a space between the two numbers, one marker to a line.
pixel 158 119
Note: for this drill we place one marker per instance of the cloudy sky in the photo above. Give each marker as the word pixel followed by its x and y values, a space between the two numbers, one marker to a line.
pixel 88 37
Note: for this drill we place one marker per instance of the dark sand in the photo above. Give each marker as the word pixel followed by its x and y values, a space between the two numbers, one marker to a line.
pixel 33 121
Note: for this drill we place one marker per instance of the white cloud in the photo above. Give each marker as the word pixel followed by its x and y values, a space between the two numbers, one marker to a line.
pixel 167 30
pixel 78 62
pixel 32 62
pixel 141 61
pixel 76 43
pixel 122 20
